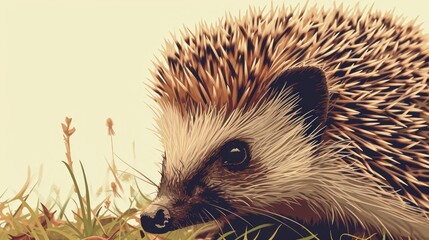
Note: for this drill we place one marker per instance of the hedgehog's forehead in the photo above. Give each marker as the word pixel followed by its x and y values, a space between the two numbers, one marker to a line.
pixel 190 139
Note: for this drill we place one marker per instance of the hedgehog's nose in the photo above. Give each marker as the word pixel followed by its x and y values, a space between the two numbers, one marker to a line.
pixel 156 219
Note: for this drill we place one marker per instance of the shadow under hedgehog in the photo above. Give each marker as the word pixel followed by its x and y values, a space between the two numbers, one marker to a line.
pixel 295 117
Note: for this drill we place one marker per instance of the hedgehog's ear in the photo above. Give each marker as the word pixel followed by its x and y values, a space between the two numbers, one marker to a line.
pixel 309 83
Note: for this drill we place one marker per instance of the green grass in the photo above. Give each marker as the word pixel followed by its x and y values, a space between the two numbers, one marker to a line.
pixel 102 220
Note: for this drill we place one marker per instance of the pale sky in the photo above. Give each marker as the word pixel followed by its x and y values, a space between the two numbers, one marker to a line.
pixel 89 60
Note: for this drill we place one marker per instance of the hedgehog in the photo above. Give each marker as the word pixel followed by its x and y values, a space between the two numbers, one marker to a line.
pixel 298 115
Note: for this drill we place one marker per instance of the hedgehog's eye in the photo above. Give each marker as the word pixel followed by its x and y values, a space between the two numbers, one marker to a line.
pixel 235 155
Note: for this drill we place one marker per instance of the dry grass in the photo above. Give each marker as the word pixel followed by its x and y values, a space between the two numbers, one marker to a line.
pixel 90 221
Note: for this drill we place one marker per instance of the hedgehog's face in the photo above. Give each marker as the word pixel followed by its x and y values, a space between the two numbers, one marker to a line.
pixel 218 163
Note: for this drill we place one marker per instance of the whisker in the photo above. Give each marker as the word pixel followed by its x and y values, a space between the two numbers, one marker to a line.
pixel 270 214
pixel 201 217
pixel 227 221
pixel 147 179
pixel 214 219
pixel 231 212
pixel 242 201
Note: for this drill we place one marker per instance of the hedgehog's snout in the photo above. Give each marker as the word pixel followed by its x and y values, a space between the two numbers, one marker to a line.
pixel 156 219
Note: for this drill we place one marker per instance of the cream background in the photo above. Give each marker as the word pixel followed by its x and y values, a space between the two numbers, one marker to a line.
pixel 89 59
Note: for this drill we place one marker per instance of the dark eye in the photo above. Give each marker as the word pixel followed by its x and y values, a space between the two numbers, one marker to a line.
pixel 235 155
